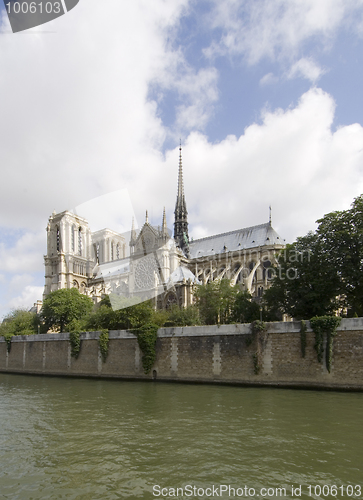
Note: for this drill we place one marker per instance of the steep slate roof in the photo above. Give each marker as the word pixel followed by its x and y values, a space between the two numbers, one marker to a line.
pixel 112 268
pixel 182 273
pixel 249 237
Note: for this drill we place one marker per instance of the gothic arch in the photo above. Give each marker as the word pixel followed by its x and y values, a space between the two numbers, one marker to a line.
pixel 250 278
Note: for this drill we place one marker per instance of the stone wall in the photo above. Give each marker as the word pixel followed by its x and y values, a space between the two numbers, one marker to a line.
pixel 199 354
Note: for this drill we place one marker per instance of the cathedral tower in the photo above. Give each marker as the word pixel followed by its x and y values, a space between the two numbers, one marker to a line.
pixel 181 215
pixel 69 260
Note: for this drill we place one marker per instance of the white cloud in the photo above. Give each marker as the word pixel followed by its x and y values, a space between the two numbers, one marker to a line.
pixel 26 254
pixel 113 210
pixel 19 291
pixel 279 28
pixel 77 121
pixel 293 160
pixel 306 68
pixel 26 299
pixel 200 92
pixel 268 79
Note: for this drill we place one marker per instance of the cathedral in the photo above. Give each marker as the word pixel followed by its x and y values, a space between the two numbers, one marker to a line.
pixel 155 264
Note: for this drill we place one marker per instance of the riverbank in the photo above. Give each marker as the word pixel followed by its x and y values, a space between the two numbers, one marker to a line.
pixel 228 354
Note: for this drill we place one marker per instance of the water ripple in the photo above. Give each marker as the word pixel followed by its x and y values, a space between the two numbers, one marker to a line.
pixel 92 439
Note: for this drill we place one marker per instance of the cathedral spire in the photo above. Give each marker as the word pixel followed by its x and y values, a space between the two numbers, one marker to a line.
pixel 181 215
pixel 180 195
pixel 164 229
pixel 133 233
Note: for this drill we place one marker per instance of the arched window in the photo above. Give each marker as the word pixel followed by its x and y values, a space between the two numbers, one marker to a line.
pixel 266 271
pixel 80 241
pixel 73 243
pixel 112 250
pixel 171 300
pixel 117 251
pixel 58 239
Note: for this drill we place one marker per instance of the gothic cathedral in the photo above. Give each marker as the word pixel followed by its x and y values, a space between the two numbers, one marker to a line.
pixel 154 264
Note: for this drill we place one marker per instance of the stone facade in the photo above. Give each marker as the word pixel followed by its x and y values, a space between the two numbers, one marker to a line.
pixel 153 264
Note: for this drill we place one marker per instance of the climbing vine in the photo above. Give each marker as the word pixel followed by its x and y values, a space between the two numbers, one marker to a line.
pixel 258 326
pixel 248 340
pixel 146 337
pixel 103 341
pixel 8 342
pixel 75 341
pixel 259 333
pixel 303 329
pixel 325 325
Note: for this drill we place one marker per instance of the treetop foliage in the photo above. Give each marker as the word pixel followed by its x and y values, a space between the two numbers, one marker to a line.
pixel 19 322
pixel 220 303
pixel 326 274
pixel 63 306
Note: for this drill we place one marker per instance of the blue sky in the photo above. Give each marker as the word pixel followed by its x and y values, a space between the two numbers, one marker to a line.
pixel 265 95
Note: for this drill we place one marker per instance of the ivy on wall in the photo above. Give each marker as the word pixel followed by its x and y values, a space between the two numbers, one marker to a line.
pixel 75 341
pixel 259 334
pixel 8 342
pixel 146 336
pixel 103 342
pixel 303 329
pixel 325 325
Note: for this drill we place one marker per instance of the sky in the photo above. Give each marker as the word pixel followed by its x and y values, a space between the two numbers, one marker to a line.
pixel 266 97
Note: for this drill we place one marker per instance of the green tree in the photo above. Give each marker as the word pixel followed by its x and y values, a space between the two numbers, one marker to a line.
pixel 245 310
pixel 215 302
pixel 341 236
pixel 101 318
pixel 63 306
pixel 305 284
pixel 19 322
pixel 104 317
pixel 183 316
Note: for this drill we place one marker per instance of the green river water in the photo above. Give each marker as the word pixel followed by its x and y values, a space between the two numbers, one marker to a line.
pixel 100 439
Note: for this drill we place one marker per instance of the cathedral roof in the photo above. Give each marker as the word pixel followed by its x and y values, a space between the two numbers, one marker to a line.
pixel 112 268
pixel 241 239
pixel 182 273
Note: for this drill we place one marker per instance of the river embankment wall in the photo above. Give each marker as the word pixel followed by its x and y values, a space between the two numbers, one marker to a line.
pixel 209 354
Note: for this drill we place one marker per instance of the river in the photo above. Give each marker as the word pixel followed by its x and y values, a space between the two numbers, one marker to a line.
pixel 107 439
